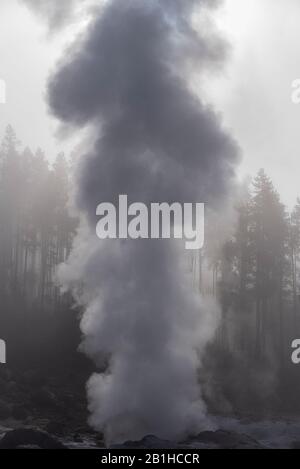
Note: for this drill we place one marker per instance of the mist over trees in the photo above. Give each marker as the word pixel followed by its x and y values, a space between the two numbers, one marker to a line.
pixel 35 231
pixel 255 275
pixel 36 234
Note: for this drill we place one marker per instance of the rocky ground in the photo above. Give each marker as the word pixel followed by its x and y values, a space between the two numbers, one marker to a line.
pixel 53 404
pixel 50 411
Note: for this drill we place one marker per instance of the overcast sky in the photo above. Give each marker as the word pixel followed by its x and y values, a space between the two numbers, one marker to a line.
pixel 253 94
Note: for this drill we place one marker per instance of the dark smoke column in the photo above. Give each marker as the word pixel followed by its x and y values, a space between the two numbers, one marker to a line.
pixel 155 141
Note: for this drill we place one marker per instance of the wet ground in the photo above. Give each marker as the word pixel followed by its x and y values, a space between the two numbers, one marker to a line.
pixel 231 433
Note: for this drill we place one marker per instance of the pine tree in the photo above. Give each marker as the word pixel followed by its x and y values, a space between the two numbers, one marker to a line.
pixel 269 233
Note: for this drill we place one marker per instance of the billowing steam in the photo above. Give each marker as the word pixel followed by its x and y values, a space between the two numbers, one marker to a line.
pixel 57 13
pixel 155 141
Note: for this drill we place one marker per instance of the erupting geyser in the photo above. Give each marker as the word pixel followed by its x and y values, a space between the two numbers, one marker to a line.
pixel 155 142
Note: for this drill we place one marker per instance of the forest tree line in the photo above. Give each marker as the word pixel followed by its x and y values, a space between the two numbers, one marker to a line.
pixel 255 274
pixel 36 230
pixel 257 271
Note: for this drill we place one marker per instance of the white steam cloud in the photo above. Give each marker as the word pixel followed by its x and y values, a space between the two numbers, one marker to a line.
pixel 143 324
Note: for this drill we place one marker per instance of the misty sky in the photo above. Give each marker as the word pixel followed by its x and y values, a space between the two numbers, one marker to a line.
pixel 253 94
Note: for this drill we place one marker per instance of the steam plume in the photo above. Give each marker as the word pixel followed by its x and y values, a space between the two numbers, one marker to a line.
pixel 56 12
pixel 155 141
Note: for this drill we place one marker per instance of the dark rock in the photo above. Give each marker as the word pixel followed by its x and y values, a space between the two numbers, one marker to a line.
pixel 57 428
pixel 148 442
pixel 215 440
pixel 28 447
pixel 17 439
pixel 227 440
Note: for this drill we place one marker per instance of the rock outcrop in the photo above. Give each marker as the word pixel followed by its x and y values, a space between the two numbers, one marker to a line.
pixel 29 438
